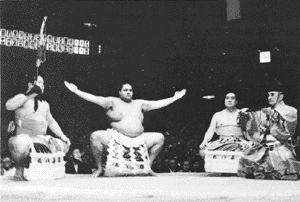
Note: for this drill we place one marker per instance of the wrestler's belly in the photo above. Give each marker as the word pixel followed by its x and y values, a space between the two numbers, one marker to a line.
pixel 32 127
pixel 131 127
pixel 32 133
pixel 229 131
pixel 229 136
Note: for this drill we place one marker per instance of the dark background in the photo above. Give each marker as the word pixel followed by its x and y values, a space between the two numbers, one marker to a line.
pixel 161 46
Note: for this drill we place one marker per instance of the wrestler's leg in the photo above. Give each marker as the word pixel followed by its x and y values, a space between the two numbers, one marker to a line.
pixel 154 142
pixel 98 140
pixel 19 147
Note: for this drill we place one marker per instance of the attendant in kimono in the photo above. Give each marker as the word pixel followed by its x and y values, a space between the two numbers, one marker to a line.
pixel 272 157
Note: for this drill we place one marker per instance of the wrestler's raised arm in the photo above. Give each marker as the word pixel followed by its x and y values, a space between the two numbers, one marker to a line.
pixel 152 105
pixel 55 128
pixel 102 101
pixel 210 132
pixel 19 100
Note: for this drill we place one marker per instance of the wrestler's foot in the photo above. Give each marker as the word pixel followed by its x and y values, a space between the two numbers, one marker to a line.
pixel 97 173
pixel 152 173
pixel 20 178
pixel 19 175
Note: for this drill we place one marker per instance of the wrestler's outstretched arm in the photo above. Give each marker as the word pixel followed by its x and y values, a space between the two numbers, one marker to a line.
pixel 55 128
pixel 102 101
pixel 152 105
pixel 210 132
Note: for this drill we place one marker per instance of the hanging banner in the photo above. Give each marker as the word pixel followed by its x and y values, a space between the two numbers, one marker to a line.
pixel 59 44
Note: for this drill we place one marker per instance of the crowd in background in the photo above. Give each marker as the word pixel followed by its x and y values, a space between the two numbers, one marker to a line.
pixel 179 154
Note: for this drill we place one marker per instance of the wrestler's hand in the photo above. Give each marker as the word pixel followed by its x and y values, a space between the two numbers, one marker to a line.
pixel 180 94
pixel 268 111
pixel 203 145
pixel 66 140
pixel 11 127
pixel 73 88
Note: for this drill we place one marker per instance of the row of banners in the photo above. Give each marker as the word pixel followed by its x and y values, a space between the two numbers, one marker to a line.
pixel 53 43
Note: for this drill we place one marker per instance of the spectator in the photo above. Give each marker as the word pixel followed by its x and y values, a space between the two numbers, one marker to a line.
pixel 197 167
pixel 88 158
pixel 76 166
pixel 7 166
pixel 173 166
pixel 166 163
pixel 159 167
pixel 185 168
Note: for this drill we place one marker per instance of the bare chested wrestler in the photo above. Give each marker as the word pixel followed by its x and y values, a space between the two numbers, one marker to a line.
pixel 125 116
pixel 32 118
pixel 224 124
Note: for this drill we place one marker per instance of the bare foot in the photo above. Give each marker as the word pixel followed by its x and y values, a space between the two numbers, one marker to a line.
pixel 152 173
pixel 20 178
pixel 97 172
pixel 19 174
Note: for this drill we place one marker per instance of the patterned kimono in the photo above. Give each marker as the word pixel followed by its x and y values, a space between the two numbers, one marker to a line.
pixel 231 139
pixel 231 136
pixel 272 157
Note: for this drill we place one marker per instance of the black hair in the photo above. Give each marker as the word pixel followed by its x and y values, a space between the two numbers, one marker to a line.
pixel 31 79
pixel 231 91
pixel 121 84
